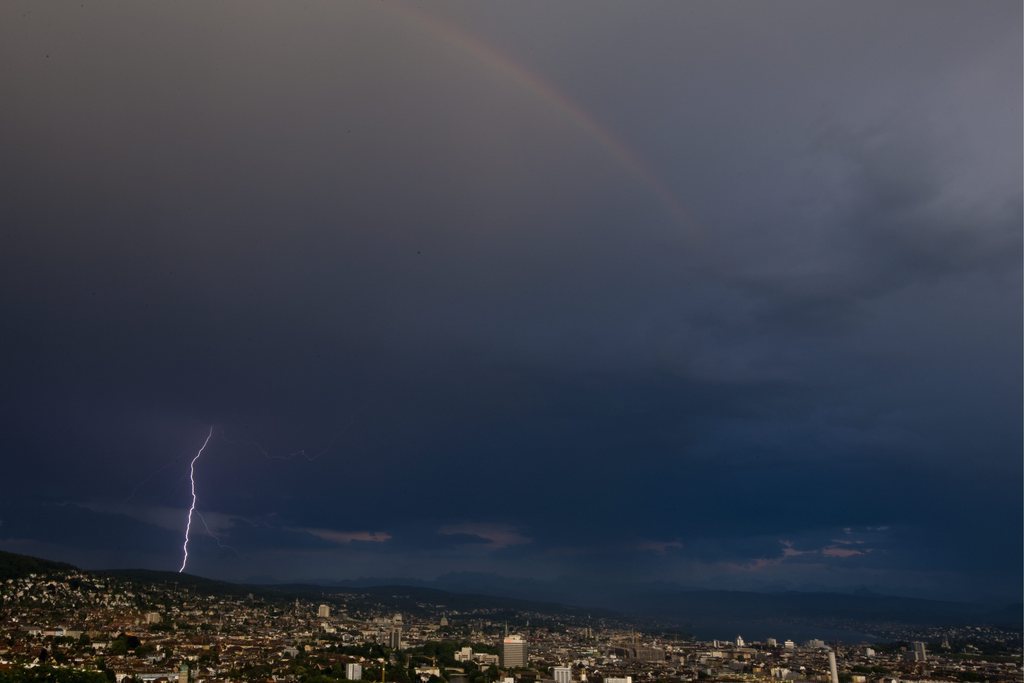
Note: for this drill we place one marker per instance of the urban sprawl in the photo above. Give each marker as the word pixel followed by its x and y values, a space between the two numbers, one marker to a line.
pixel 79 626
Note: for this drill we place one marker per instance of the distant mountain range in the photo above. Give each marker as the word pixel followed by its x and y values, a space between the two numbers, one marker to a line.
pixel 667 602
pixel 708 613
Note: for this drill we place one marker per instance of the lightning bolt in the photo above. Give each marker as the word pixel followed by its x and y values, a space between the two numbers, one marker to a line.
pixel 305 453
pixel 192 477
pixel 215 537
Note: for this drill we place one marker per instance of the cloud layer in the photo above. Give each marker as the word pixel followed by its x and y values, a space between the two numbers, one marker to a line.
pixel 418 267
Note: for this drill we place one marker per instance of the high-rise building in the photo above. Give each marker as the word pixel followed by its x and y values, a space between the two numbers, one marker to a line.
pixel 354 672
pixel 647 653
pixel 832 670
pixel 513 652
pixel 563 674
pixel 918 652
pixel 771 642
pixel 789 645
pixel 395 641
pixel 739 641
pixel 324 612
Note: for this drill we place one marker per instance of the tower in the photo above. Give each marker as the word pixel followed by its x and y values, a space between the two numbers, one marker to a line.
pixel 833 671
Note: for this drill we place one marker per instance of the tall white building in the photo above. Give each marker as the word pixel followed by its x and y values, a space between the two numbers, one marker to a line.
pixel 832 670
pixel 513 652
pixel 354 672
pixel 563 674
pixel 324 612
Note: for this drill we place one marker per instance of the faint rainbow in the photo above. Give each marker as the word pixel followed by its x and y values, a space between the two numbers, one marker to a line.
pixel 628 159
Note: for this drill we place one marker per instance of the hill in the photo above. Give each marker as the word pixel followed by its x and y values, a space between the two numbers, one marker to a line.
pixel 13 566
pixel 401 598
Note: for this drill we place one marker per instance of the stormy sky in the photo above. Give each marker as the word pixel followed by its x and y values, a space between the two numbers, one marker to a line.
pixel 726 294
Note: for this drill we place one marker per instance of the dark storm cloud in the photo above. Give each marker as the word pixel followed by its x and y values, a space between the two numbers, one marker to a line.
pixel 441 326
pixel 79 527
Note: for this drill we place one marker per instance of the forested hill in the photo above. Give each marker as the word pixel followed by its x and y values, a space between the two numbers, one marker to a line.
pixel 13 565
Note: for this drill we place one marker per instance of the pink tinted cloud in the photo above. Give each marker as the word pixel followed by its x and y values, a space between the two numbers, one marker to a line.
pixel 843 551
pixel 660 547
pixel 343 537
pixel 496 535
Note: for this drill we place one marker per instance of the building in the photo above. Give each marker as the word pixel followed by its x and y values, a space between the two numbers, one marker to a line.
pixel 395 640
pixel 739 642
pixel 563 674
pixel 789 645
pixel 354 672
pixel 647 653
pixel 772 642
pixel 324 612
pixel 627 679
pixel 832 670
pixel 513 652
pixel 152 617
pixel 917 653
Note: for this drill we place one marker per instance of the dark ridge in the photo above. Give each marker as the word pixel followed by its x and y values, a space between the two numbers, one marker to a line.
pixel 155 576
pixel 13 566
pixel 411 599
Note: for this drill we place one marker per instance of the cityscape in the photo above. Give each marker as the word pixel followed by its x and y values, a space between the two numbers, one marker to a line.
pixel 511 341
pixel 156 629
